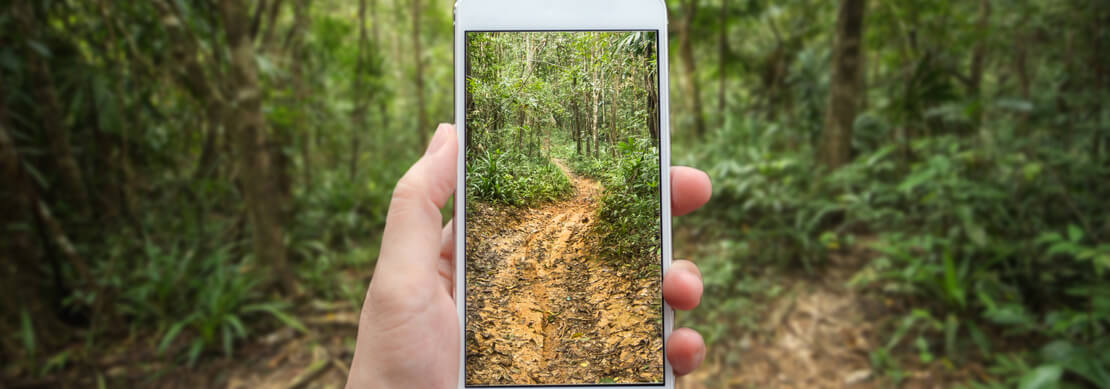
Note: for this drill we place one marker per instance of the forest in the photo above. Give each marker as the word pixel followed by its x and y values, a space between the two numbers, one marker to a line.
pixel 905 193
pixel 563 208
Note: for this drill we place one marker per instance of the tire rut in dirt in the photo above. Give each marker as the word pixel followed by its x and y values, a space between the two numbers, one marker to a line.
pixel 542 307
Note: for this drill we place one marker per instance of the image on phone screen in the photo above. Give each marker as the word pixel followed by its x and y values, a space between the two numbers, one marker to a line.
pixel 563 263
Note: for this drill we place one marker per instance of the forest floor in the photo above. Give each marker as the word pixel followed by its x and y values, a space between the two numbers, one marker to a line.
pixel 548 309
pixel 817 334
pixel 568 316
pixel 820 333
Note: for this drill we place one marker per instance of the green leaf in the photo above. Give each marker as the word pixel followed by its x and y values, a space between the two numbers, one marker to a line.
pixel 39 48
pixel 237 325
pixel 228 338
pixel 1031 171
pixel 172 333
pixel 1075 234
pixel 194 351
pixel 980 339
pixel 55 362
pixel 952 282
pixel 1049 237
pixel 951 330
pixel 1043 377
pixel 1059 351
pixel 276 311
pixel 1009 314
pixel 27 333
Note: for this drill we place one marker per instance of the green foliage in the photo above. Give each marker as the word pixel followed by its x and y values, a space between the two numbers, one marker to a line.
pixel 516 179
pixel 629 211
pixel 779 202
pixel 208 297
pixel 1003 237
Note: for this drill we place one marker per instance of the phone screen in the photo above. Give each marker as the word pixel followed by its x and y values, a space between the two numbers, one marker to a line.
pixel 563 260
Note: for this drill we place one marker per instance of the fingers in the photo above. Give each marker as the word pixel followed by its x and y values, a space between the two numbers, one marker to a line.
pixel 685 350
pixel 682 285
pixel 690 189
pixel 412 236
pixel 682 288
pixel 446 263
pixel 447 240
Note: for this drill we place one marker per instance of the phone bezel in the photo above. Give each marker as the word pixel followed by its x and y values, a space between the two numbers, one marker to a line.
pixel 560 15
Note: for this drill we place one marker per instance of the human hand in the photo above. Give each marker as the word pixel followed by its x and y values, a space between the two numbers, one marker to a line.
pixel 408 332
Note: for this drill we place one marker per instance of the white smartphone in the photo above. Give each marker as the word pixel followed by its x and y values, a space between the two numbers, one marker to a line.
pixel 562 212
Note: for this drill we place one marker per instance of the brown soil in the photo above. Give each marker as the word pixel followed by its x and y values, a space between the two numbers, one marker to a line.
pixel 543 308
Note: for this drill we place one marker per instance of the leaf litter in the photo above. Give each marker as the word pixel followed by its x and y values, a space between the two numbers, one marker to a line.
pixel 544 308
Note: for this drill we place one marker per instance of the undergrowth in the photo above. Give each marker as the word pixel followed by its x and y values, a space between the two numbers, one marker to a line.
pixel 992 244
pixel 515 178
pixel 630 210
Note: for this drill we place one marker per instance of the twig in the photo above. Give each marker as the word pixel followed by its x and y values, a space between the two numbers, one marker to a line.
pixel 310 373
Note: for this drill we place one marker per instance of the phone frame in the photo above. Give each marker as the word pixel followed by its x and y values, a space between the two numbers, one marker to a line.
pixel 560 15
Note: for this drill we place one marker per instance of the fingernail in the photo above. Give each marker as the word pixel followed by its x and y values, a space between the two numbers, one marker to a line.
pixel 696 272
pixel 438 140
pixel 700 357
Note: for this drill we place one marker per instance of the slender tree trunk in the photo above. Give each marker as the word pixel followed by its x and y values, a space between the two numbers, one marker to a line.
pixel 690 67
pixel 284 137
pixel 613 116
pixel 651 93
pixel 597 103
pixel 358 115
pixel 418 52
pixel 835 148
pixel 246 122
pixel 979 53
pixel 722 54
pixel 979 58
pixel 271 22
pixel 577 116
pixel 525 110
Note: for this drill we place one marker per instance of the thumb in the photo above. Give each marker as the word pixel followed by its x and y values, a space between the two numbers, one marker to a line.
pixel 410 244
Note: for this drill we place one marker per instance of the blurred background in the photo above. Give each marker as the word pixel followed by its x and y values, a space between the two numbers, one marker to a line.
pixel 906 193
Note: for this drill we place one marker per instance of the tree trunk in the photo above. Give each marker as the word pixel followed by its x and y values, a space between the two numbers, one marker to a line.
pixel 722 54
pixel 271 23
pixel 468 94
pixel 613 115
pixel 51 113
pixel 284 137
pixel 246 122
pixel 978 60
pixel 20 256
pixel 835 148
pixel 421 111
pixel 690 66
pixel 651 91
pixel 597 103
pixel 577 122
pixel 979 53
pixel 358 114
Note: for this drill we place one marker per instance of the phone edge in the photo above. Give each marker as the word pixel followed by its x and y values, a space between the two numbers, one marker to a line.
pixel 459 221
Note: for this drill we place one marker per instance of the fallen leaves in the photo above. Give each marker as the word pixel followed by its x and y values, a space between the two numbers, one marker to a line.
pixel 541 306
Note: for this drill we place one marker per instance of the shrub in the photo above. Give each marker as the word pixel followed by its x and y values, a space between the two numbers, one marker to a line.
pixel 629 212
pixel 515 179
pixel 208 296
pixel 995 238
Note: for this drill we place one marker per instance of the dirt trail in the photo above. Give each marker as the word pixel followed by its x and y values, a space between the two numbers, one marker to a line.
pixel 545 309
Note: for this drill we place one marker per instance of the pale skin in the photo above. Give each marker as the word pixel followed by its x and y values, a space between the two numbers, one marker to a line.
pixel 408 332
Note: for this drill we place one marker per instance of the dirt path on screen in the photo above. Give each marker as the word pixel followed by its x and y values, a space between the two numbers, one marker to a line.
pixel 544 309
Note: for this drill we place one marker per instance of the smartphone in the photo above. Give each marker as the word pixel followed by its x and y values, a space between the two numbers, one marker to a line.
pixel 562 212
